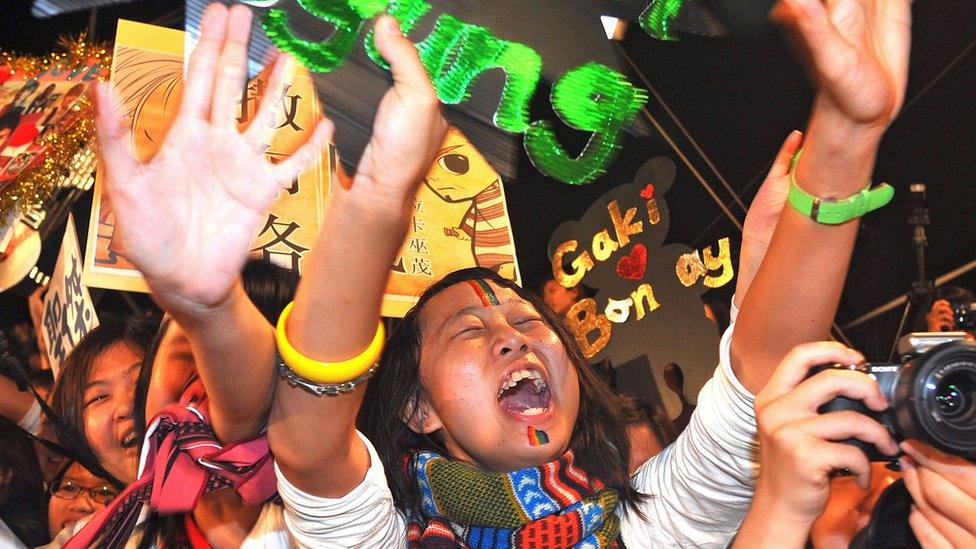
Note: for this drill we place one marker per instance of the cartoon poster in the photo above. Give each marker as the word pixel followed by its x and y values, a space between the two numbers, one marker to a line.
pixel 460 219
pixel 31 110
pixel 69 313
pixel 147 74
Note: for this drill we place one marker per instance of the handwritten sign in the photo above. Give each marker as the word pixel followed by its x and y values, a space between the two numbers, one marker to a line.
pixel 648 292
pixel 68 310
pixel 460 219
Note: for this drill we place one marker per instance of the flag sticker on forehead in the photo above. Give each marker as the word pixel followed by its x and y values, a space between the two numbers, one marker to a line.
pixel 484 292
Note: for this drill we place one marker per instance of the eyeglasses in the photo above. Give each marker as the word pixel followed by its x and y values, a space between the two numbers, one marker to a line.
pixel 66 489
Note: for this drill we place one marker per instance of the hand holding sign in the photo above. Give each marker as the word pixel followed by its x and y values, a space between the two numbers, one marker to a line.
pixel 200 199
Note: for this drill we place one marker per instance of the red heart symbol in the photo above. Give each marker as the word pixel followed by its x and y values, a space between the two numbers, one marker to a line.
pixel 648 192
pixel 632 266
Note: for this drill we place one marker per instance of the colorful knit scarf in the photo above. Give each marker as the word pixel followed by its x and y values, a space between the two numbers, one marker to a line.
pixel 553 505
pixel 184 461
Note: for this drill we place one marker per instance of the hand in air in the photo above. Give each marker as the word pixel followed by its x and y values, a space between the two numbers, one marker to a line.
pixel 796 449
pixel 943 488
pixel 408 129
pixel 857 52
pixel 186 216
pixel 764 213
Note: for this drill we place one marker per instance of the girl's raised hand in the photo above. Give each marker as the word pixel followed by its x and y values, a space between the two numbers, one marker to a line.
pixel 186 217
pixel 856 51
pixel 407 131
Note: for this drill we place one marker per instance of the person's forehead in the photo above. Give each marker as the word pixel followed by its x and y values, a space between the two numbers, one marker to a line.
pixel 466 294
pixel 77 473
pixel 117 359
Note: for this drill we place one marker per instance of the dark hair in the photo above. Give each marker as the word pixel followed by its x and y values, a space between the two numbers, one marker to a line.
pixel 23 502
pixel 637 412
pixel 145 376
pixel 68 397
pixel 269 287
pixel 599 438
pixel 954 293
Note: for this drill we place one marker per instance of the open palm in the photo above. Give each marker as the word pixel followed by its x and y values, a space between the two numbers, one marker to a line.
pixel 857 52
pixel 186 217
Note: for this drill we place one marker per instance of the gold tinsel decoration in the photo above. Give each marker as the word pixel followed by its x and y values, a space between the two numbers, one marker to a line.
pixel 36 184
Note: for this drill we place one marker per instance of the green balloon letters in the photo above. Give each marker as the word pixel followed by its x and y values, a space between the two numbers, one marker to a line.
pixel 656 19
pixel 456 53
pixel 407 13
pixel 592 97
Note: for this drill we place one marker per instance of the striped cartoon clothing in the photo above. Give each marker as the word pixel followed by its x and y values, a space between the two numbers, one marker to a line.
pixel 484 222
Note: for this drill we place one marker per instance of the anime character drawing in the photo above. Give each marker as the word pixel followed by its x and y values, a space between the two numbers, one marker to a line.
pixel 150 87
pixel 461 174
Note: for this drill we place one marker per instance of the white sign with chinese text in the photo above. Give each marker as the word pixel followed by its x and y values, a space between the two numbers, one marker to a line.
pixel 68 310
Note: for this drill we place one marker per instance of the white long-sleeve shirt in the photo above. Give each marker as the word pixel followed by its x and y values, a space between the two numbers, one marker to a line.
pixel 698 489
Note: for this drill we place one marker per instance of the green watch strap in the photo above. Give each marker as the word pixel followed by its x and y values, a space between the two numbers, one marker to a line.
pixel 835 212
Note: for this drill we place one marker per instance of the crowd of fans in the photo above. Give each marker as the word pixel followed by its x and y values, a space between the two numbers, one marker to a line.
pixel 242 416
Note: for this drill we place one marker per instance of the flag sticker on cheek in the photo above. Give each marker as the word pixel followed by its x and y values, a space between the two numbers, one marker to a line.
pixel 484 291
pixel 537 437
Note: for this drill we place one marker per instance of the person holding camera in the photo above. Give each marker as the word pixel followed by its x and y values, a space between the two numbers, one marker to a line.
pixel 955 310
pixel 799 454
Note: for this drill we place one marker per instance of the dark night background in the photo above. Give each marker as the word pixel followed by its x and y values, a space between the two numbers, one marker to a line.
pixel 738 99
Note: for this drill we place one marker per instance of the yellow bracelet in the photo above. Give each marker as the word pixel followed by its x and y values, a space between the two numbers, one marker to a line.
pixel 327 372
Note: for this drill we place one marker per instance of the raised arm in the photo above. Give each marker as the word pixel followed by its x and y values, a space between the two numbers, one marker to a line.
pixel 857 53
pixel 186 217
pixel 337 305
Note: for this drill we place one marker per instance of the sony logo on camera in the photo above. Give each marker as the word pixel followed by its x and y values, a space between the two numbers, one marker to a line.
pixel 931 393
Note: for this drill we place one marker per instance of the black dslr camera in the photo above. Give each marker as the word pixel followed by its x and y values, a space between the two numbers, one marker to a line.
pixel 931 393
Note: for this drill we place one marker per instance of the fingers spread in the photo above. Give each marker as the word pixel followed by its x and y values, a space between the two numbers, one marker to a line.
pixel 198 90
pixel 231 68
pixel 306 155
pixel 261 128
pixel 815 35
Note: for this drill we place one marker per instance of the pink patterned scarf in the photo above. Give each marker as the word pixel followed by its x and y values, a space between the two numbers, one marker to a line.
pixel 184 461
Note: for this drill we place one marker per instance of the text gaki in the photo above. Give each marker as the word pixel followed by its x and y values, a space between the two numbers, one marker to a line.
pixel 583 318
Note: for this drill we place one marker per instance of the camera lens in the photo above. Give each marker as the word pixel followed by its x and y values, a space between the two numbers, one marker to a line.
pixel 955 395
pixel 935 398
